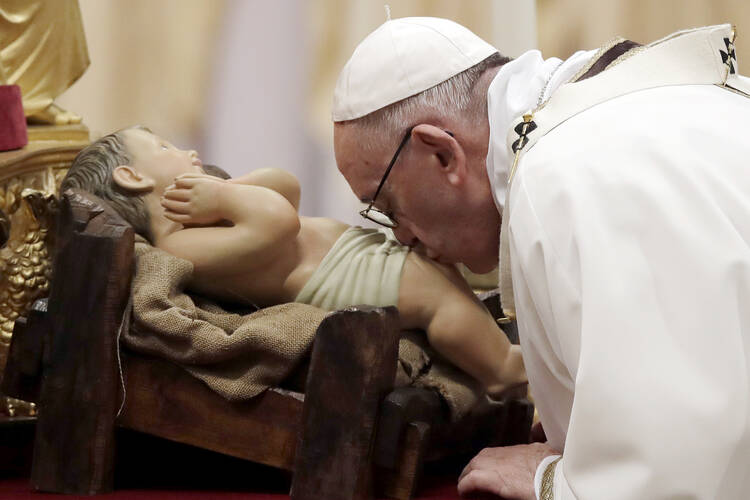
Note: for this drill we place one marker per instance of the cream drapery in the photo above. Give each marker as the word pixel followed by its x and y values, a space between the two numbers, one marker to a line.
pixel 151 64
pixel 569 25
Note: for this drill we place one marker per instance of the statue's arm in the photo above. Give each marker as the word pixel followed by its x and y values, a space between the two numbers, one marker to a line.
pixel 278 180
pixel 262 220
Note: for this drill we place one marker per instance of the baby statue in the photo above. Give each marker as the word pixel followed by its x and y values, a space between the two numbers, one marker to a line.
pixel 248 244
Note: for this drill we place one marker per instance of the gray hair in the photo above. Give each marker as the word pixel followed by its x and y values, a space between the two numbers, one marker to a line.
pixel 458 97
pixel 92 172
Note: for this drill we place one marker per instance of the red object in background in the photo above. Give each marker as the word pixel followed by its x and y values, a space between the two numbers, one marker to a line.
pixel 12 120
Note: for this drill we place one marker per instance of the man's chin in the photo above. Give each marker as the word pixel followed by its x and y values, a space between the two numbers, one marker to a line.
pixel 482 266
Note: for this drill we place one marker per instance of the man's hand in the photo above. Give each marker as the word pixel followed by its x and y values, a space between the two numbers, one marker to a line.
pixel 194 199
pixel 507 472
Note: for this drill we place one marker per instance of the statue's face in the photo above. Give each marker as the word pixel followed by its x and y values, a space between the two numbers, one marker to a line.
pixel 159 159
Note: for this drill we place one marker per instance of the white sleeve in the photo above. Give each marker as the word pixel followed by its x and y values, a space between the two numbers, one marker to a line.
pixel 632 322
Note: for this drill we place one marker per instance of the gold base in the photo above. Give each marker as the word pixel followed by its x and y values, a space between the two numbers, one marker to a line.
pixel 63 133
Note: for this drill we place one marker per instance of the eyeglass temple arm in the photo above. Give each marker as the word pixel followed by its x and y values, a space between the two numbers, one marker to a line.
pixel 407 135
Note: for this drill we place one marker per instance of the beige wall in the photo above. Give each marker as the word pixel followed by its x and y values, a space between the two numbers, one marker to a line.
pixel 568 25
pixel 149 65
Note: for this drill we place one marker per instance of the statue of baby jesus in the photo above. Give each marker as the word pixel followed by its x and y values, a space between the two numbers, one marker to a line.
pixel 248 244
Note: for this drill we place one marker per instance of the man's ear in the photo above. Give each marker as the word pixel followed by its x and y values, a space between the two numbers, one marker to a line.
pixel 130 179
pixel 442 149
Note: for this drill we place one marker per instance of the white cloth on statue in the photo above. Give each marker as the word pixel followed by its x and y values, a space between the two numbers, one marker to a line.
pixel 630 254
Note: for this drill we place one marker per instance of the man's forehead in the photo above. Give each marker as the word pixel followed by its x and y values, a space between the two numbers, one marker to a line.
pixel 364 177
pixel 357 166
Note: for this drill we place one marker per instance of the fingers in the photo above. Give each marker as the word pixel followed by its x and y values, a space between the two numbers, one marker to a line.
pixel 480 461
pixel 177 194
pixel 480 480
pixel 182 182
pixel 195 175
pixel 180 207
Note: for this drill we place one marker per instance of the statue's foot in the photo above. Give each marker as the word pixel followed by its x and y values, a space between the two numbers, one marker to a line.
pixel 53 115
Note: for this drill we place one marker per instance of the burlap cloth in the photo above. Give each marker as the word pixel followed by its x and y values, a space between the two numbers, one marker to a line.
pixel 240 355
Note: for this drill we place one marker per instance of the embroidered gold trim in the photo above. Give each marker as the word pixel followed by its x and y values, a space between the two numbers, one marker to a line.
pixel 546 492
pixel 627 55
pixel 732 89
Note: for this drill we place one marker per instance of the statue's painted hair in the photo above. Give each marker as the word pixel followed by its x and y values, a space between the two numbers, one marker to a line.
pixel 92 172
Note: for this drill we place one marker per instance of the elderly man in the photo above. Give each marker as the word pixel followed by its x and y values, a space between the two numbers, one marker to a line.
pixel 615 185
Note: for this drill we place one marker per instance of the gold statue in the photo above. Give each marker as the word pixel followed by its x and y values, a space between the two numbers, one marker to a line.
pixel 42 50
pixel 25 270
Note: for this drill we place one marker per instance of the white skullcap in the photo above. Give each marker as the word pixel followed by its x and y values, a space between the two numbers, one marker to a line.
pixel 401 58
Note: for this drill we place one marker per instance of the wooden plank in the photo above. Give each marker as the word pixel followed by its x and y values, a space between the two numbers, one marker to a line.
pixel 74 446
pixel 401 407
pixel 520 417
pixel 164 400
pixel 352 368
pixel 401 482
pixel 485 425
pixel 16 446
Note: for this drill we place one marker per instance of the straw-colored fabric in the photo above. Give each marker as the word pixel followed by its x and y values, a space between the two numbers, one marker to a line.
pixel 238 356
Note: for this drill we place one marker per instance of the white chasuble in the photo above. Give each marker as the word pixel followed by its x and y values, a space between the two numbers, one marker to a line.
pixel 629 243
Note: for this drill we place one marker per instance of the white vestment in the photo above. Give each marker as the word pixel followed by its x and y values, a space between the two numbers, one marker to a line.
pixel 629 237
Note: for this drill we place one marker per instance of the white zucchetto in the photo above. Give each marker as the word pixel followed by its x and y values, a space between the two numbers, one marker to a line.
pixel 401 58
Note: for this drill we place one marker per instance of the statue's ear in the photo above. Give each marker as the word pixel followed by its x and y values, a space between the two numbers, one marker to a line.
pixel 130 179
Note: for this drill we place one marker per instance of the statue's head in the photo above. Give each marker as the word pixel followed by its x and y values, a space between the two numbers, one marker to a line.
pixel 125 167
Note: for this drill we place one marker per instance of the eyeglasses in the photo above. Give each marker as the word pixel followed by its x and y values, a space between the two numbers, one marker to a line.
pixel 378 216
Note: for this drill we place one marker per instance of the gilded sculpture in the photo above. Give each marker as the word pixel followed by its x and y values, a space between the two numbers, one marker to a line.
pixel 25 264
pixel 43 51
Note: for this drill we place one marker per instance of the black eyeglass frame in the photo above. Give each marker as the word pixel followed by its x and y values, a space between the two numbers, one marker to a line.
pixel 380 217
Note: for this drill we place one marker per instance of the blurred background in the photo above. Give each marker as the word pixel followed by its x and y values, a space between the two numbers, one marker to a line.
pixel 248 83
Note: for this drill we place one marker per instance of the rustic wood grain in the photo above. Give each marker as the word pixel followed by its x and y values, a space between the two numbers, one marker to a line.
pixel 164 400
pixel 334 457
pixel 74 445
pixel 23 371
pixel 400 408
pixel 401 481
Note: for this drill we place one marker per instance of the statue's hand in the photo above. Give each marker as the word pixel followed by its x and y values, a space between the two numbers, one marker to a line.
pixel 193 199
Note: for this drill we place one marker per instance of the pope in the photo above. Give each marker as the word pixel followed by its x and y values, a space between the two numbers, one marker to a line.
pixel 613 190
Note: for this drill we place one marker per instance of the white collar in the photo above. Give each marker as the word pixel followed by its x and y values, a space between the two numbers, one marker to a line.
pixel 514 91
